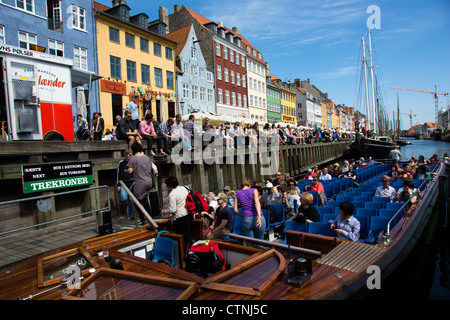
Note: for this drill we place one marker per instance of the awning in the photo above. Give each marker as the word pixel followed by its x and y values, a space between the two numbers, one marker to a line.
pixel 80 77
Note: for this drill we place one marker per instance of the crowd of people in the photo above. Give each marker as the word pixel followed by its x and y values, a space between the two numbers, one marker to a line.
pixel 236 135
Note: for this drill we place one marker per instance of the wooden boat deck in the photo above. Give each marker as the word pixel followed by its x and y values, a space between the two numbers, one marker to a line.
pixel 338 266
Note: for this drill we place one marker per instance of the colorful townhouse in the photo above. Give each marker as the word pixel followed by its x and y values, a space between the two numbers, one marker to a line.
pixel 226 57
pixel 134 57
pixel 256 83
pixel 194 83
pixel 273 99
pixel 61 28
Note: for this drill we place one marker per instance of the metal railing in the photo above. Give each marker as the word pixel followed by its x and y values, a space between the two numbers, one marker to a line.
pixel 107 208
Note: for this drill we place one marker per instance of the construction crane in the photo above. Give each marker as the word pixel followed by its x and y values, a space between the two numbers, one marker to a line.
pixel 436 102
pixel 410 116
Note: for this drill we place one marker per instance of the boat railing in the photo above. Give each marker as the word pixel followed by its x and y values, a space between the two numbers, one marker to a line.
pixel 404 207
pixel 48 197
pixel 136 202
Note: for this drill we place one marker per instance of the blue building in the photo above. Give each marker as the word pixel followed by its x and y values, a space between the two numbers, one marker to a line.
pixel 195 84
pixel 57 27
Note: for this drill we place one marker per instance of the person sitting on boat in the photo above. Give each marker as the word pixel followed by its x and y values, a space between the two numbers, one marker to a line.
pixel 335 171
pixel 231 195
pixel 423 173
pixel 223 219
pixel 310 175
pixel 345 166
pixel 271 195
pixel 395 171
pixel 346 226
pixel 372 162
pixel 386 190
pixel 362 163
pixel 413 160
pixel 421 160
pixel 306 212
pixel 279 178
pixel 350 174
pixel 317 186
pixel 408 193
pixel 433 160
pixel 325 175
pixel 406 173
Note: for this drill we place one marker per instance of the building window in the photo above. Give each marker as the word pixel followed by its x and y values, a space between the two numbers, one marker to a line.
pixel 238 79
pixel 231 55
pixel 202 94
pixel 25 5
pixel 225 53
pixel 2 35
pixel 80 58
pixel 194 92
pixel 218 49
pixel 27 39
pixel 158 77
pixel 185 68
pixel 114 35
pixel 157 49
pixel 169 76
pixel 210 95
pixel 145 73
pixel 244 99
pixel 219 72
pixel 115 67
pixel 144 45
pixel 233 98
pixel 131 71
pixel 169 54
pixel 201 73
pixel 243 61
pixel 225 73
pixel 237 58
pixel 193 70
pixel 219 96
pixel 227 97
pixel 56 48
pixel 78 18
pixel 194 53
pixel 209 76
pixel 185 90
pixel 239 100
pixel 129 40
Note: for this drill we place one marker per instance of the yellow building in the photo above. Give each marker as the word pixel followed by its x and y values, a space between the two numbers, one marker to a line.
pixel 131 60
pixel 323 112
pixel 288 109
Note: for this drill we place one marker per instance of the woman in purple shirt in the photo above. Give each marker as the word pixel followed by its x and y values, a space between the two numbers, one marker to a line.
pixel 253 221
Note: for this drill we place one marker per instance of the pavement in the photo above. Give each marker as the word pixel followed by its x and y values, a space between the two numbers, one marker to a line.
pixel 30 244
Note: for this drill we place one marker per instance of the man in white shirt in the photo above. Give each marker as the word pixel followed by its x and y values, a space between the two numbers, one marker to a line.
pixel 386 190
pixel 325 175
pixel 177 131
pixel 395 154
pixel 236 133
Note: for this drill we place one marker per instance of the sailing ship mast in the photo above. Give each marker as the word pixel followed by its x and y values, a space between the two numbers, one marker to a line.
pixel 375 126
pixel 365 82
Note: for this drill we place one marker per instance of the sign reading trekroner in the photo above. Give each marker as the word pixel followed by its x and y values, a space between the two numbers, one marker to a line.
pixel 46 177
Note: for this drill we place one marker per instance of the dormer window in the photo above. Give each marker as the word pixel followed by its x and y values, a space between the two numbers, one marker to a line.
pixel 124 14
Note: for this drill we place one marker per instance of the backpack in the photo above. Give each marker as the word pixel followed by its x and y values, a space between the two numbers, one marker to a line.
pixel 195 203
pixel 204 259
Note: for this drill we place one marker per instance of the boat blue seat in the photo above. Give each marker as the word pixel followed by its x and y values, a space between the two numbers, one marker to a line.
pixel 333 204
pixel 390 213
pixel 377 225
pixel 370 212
pixel 336 187
pixel 362 199
pixel 328 216
pixel 394 205
pixel 376 205
pixel 364 227
pixel 295 226
pixel 237 225
pixel 381 199
pixel 266 214
pixel 315 197
pixel 320 228
pixel 164 250
pixel 367 194
pixel 279 208
pixel 358 204
pixel 353 193
pixel 329 190
pixel 324 210
pixel 344 198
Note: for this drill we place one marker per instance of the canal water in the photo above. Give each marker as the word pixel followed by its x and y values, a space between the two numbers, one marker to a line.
pixel 424 274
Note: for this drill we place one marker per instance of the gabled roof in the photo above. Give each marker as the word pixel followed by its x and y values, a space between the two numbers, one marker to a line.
pixel 180 36
pixel 202 20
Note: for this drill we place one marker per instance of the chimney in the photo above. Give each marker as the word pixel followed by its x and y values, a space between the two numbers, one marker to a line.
pixel 164 17
pixel 307 80
pixel 267 67
pixel 235 29
pixel 298 83
pixel 115 3
pixel 176 8
pixel 220 23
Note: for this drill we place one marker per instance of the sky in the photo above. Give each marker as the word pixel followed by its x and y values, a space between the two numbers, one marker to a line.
pixel 321 40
